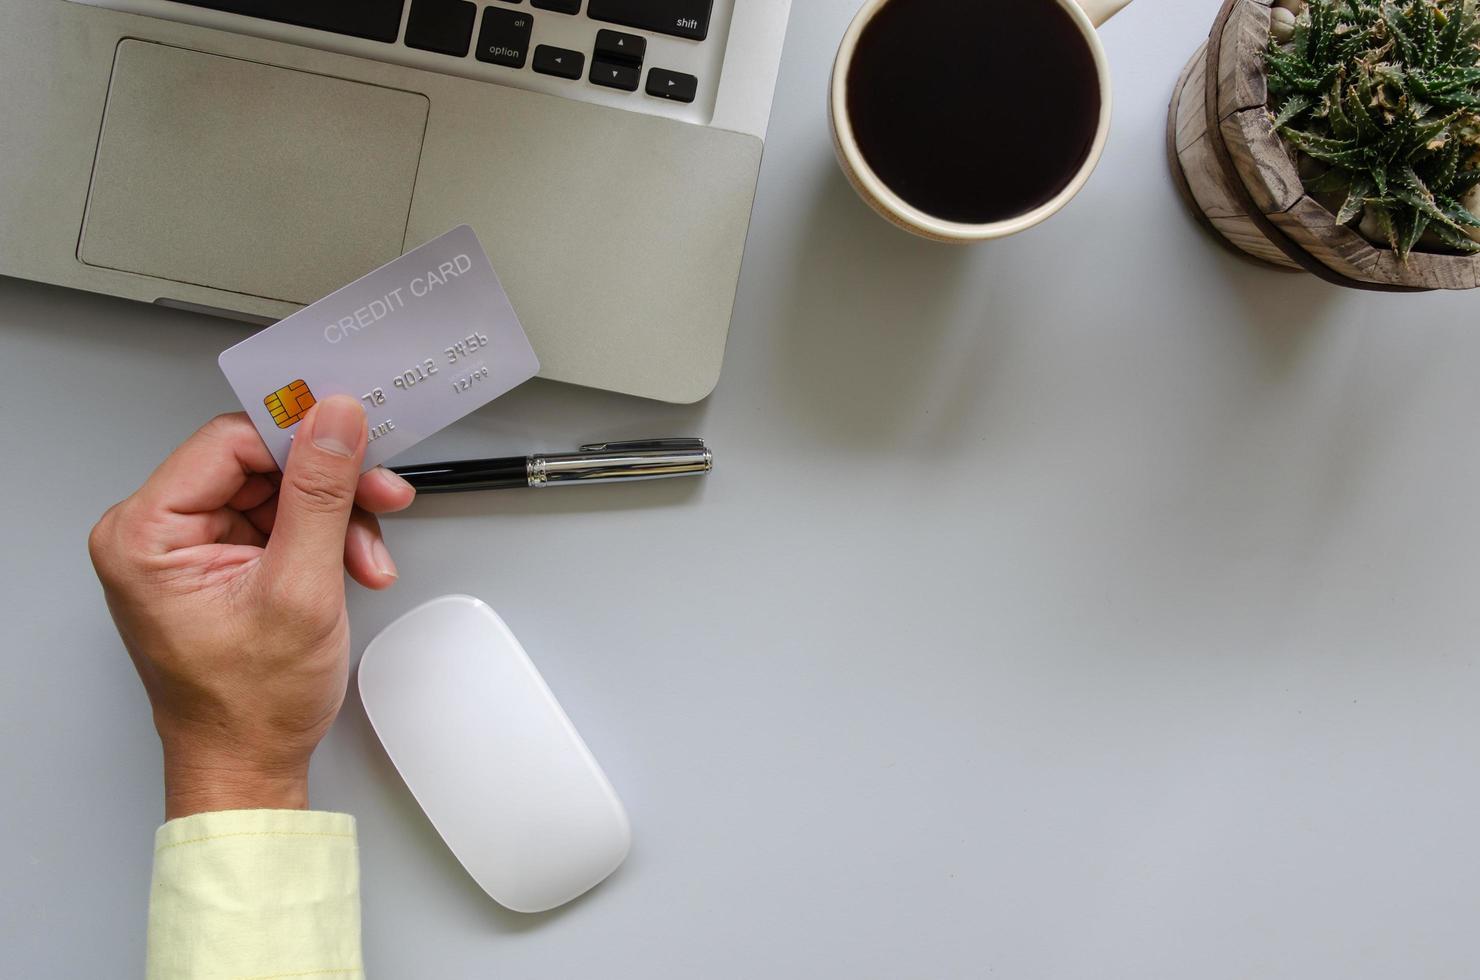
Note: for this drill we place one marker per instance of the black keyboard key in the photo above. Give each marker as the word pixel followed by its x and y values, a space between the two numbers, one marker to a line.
pixel 375 20
pixel 558 61
pixel 681 18
pixel 504 38
pixel 615 75
pixel 443 26
pixel 626 49
pixel 559 6
pixel 673 85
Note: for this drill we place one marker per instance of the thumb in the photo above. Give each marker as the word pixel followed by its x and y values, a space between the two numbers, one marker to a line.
pixel 318 492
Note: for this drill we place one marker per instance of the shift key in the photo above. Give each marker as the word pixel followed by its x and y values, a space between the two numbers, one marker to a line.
pixel 681 18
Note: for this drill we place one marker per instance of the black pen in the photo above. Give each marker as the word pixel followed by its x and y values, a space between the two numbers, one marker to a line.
pixel 602 462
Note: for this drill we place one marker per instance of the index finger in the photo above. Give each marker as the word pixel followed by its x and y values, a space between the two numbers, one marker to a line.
pixel 207 470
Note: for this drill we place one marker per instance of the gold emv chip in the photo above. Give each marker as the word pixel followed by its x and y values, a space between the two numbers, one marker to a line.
pixel 289 403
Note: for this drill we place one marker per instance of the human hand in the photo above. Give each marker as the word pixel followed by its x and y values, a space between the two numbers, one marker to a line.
pixel 226 582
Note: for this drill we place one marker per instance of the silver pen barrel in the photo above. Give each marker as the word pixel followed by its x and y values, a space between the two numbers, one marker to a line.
pixel 622 462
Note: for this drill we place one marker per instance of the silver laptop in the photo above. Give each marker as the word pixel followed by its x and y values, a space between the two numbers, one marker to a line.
pixel 245 157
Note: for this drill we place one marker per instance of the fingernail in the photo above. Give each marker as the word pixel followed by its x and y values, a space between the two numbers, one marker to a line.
pixel 382 556
pixel 338 425
pixel 392 479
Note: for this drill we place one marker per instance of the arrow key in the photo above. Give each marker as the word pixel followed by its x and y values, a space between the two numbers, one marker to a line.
pixel 549 60
pixel 616 46
pixel 665 84
pixel 613 74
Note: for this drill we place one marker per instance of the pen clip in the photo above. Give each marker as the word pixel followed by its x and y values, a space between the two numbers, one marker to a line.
pixel 644 445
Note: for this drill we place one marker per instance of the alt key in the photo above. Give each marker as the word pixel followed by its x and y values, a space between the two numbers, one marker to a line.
pixel 504 39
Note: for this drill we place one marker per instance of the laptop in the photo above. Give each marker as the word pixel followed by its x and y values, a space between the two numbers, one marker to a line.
pixel 246 157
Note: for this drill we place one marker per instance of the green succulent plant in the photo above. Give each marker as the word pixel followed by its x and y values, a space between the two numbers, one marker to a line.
pixel 1387 95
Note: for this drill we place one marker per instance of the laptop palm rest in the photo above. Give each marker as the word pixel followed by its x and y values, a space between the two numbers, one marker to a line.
pixel 618 235
pixel 246 177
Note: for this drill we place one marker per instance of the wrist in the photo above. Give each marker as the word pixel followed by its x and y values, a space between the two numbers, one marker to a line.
pixel 199 784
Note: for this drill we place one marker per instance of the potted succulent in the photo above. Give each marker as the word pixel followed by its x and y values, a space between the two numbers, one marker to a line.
pixel 1339 137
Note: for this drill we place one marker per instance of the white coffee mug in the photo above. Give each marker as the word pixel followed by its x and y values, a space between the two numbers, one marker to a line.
pixel 1087 15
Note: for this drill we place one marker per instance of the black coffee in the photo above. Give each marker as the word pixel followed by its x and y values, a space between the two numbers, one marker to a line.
pixel 974 110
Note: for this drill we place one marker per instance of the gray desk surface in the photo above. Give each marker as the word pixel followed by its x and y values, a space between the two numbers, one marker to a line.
pixel 1089 604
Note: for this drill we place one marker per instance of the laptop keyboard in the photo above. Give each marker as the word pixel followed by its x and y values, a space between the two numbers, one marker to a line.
pixel 375 20
pixel 447 27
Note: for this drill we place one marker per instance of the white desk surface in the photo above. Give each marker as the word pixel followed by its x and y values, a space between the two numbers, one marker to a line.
pixel 1090 604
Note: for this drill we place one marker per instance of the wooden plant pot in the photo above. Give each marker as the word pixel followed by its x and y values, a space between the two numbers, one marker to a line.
pixel 1240 178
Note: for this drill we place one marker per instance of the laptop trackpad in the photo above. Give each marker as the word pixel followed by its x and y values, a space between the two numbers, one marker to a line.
pixel 248 177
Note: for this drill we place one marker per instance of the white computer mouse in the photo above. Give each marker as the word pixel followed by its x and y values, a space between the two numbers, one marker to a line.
pixel 491 756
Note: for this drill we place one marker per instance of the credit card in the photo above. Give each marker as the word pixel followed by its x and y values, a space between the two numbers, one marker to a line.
pixel 421 342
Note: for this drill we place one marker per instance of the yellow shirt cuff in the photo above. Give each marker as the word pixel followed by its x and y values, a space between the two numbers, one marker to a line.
pixel 256 895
